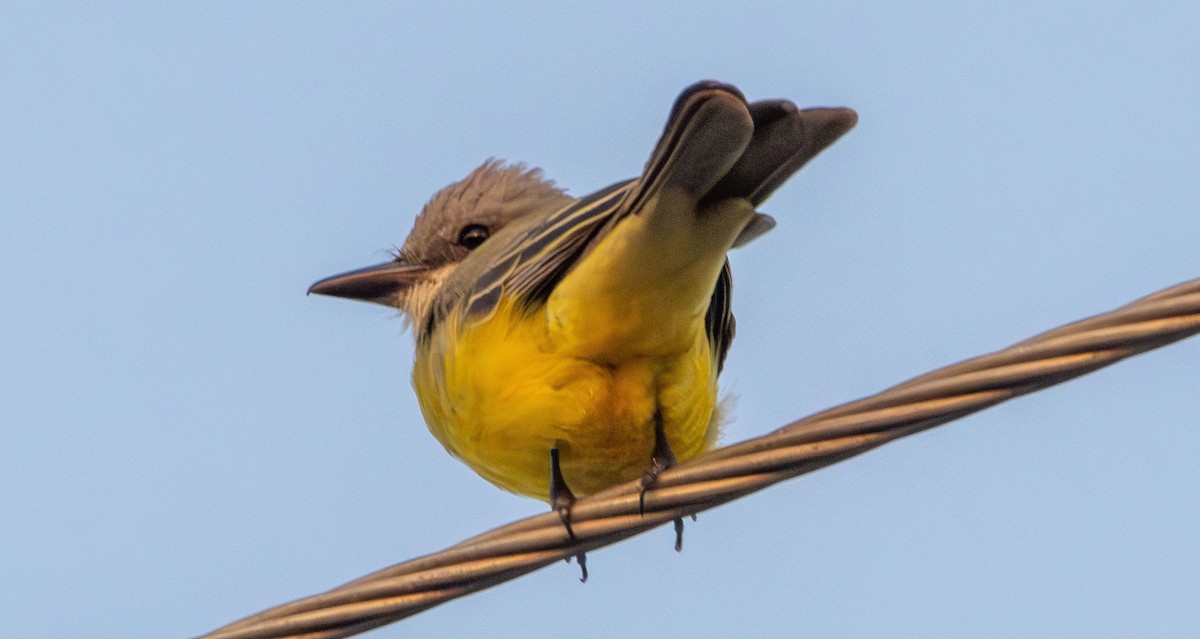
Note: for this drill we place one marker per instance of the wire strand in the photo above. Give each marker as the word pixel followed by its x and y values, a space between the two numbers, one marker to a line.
pixel 728 473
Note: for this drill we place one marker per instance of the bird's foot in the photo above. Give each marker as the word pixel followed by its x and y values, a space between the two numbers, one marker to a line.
pixel 662 459
pixel 561 500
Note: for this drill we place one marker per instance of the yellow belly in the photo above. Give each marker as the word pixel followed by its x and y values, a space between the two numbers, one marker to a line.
pixel 500 394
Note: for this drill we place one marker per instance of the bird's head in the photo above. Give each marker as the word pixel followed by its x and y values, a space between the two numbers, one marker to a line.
pixel 454 223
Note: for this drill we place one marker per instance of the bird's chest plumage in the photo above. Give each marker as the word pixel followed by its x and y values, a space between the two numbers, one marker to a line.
pixel 500 394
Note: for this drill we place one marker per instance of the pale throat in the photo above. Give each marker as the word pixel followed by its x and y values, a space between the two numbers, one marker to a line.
pixel 415 300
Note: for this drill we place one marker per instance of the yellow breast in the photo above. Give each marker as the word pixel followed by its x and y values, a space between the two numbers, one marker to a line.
pixel 501 393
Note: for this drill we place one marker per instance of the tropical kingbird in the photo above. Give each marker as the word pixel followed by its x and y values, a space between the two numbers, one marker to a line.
pixel 566 345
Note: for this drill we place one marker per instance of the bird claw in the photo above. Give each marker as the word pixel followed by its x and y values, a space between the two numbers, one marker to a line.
pixel 561 500
pixel 561 497
pixel 661 459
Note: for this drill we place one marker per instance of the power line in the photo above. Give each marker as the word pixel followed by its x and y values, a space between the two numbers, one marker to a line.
pixel 728 473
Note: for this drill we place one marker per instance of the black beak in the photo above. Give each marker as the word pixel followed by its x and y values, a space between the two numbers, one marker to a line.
pixel 381 284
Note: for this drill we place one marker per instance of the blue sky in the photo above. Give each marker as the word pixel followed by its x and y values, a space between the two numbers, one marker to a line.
pixel 188 439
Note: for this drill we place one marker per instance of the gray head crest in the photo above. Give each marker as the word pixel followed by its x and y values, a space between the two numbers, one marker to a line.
pixel 491 197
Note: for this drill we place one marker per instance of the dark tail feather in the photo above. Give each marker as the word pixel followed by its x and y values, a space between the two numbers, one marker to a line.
pixel 785 139
pixel 706 134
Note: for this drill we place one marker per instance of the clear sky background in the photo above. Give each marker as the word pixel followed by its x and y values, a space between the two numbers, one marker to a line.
pixel 188 439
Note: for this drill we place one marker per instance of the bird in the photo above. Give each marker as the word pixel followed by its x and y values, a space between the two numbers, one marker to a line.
pixel 565 345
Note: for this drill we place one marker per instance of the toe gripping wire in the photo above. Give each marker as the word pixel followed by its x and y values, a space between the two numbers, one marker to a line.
pixel 561 500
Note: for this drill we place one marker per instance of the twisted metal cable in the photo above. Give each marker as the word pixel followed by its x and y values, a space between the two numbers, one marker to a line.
pixel 728 473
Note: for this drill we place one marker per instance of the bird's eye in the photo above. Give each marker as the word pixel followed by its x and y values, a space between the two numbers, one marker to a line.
pixel 472 236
